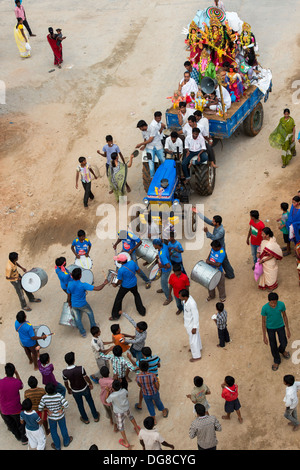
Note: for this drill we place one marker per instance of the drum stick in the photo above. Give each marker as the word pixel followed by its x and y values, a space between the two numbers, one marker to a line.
pixel 152 262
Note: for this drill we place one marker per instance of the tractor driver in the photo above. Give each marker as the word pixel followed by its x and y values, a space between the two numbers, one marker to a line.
pixel 152 143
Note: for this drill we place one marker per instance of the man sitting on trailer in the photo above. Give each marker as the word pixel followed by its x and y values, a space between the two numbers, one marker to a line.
pixel 187 85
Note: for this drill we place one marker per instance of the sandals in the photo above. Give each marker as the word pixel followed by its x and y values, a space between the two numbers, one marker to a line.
pixel 167 413
pixel 35 300
pixel 121 441
pixel 148 285
pixel 275 367
pixel 137 407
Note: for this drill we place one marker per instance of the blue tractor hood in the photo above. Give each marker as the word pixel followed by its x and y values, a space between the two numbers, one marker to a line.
pixel 166 171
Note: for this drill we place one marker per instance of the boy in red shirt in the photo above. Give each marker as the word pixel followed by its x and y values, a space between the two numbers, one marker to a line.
pixel 230 395
pixel 178 281
pixel 254 234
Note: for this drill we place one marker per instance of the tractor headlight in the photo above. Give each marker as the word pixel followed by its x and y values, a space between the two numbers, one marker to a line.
pixel 146 201
pixel 175 202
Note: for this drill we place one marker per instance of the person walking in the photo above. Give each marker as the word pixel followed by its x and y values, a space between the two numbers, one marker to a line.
pixel 199 392
pixel 85 171
pixel 79 385
pixel 283 137
pixel 138 341
pixel 56 404
pixel 15 278
pixel 120 365
pixel 230 395
pixel 269 254
pixel 204 427
pixel 291 400
pixel 127 282
pixel 28 338
pixel 275 323
pixel 76 291
pixel 217 234
pixel 20 13
pixel 118 397
pixel 10 403
pixel 254 237
pixel 221 322
pixel 149 384
pixel 191 323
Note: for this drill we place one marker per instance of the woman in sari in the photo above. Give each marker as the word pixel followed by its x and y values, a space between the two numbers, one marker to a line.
pixel 117 175
pixel 21 39
pixel 56 47
pixel 284 138
pixel 269 253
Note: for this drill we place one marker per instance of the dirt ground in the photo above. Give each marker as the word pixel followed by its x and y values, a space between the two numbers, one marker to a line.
pixel 121 60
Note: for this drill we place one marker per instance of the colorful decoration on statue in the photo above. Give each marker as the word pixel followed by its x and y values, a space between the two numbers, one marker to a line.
pixel 215 12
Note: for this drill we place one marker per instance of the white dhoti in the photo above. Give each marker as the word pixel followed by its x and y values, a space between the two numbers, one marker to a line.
pixel 36 439
pixel 195 344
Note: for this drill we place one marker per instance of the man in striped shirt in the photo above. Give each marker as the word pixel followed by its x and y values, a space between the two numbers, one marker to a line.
pixel 204 427
pixel 56 404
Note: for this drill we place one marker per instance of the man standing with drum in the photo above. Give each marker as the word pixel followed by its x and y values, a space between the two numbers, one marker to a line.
pixel 165 266
pixel 77 299
pixel 28 338
pixel 14 277
pixel 81 246
pixel 130 243
pixel 128 283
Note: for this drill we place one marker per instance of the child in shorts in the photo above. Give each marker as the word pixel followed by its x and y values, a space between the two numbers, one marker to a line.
pixel 33 425
pixel 199 392
pixel 230 395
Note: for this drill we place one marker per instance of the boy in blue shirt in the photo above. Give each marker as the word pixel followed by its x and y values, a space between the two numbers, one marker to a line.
pixel 77 299
pixel 165 265
pixel 127 281
pixel 62 273
pixel 216 257
pixel 175 250
pixel 81 246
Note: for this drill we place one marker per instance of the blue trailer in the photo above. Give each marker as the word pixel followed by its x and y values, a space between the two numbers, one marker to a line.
pixel 248 111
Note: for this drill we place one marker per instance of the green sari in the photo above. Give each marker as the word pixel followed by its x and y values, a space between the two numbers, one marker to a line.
pixel 117 177
pixel 282 138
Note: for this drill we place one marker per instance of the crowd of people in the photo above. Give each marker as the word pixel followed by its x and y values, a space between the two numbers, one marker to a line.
pixel 42 410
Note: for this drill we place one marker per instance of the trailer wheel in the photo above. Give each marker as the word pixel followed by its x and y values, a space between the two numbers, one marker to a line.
pixel 254 122
pixel 205 178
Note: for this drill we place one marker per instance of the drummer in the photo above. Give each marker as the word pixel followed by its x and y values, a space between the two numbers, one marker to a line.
pixel 130 243
pixel 215 258
pixel 175 251
pixel 165 265
pixel 27 337
pixel 81 246
pixel 63 274
pixel 14 277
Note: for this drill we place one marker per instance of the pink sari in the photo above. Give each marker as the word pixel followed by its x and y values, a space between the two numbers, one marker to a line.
pixel 268 279
pixel 57 50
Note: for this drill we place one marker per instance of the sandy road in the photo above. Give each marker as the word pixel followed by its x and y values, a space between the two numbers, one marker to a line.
pixel 122 59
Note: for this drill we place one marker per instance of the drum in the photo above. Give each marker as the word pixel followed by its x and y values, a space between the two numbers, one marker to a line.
pixel 112 276
pixel 118 265
pixel 84 262
pixel 34 280
pixel 40 331
pixel 155 273
pixel 67 317
pixel 86 274
pixel 146 251
pixel 206 275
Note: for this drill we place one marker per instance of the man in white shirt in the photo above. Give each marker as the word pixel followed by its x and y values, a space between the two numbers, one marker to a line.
pixel 187 85
pixel 291 400
pixel 172 143
pixel 152 143
pixel 195 147
pixel 184 113
pixel 202 123
pixel 191 323
pixel 217 102
pixel 189 126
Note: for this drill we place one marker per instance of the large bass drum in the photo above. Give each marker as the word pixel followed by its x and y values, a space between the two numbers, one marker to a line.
pixel 146 251
pixel 86 274
pixel 34 279
pixel 206 275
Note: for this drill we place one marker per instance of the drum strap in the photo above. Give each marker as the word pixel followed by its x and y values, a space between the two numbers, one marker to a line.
pixel 129 270
pixel 22 325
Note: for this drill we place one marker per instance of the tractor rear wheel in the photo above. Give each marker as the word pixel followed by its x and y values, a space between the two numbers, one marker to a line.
pixel 254 122
pixel 205 178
